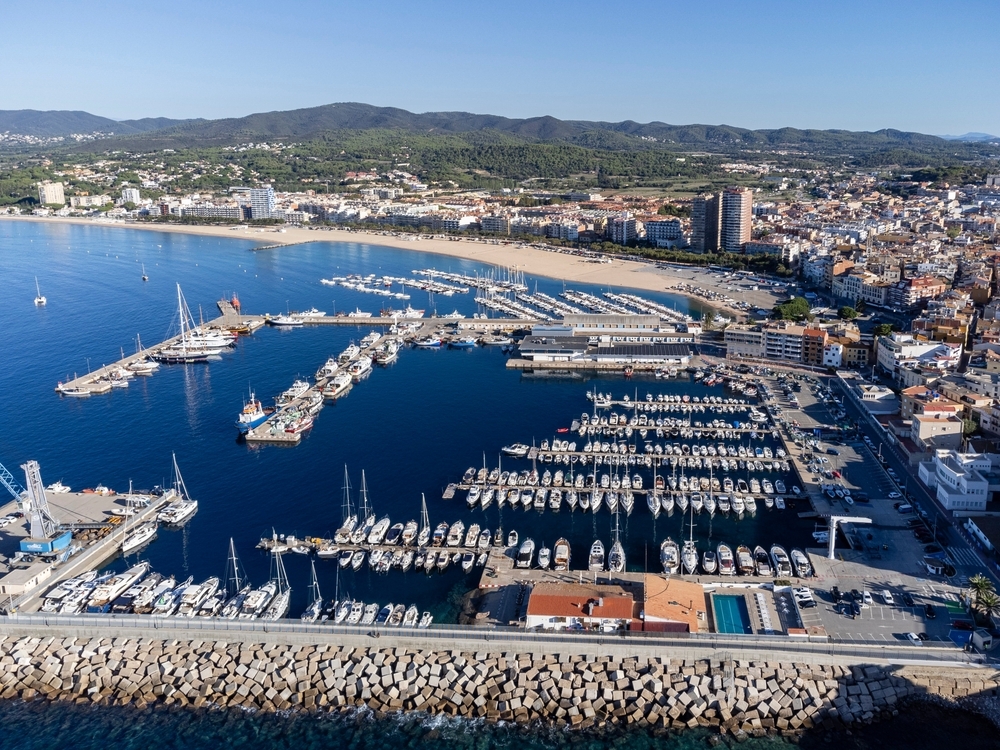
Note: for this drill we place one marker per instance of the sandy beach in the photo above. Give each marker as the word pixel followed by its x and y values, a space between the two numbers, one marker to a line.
pixel 554 263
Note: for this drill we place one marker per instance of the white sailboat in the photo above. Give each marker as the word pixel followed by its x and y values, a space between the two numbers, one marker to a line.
pixel 182 507
pixel 144 276
pixel 278 607
pixel 425 525
pixel 184 351
pixel 316 604
pixel 39 299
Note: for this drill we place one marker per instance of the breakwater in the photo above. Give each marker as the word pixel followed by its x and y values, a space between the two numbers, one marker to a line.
pixel 727 695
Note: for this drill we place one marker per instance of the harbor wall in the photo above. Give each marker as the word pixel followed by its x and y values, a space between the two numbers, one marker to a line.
pixel 734 696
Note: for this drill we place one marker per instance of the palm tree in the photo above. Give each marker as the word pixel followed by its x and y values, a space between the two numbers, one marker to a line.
pixel 980 585
pixel 989 604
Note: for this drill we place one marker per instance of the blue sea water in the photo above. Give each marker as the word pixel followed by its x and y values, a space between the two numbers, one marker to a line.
pixel 412 427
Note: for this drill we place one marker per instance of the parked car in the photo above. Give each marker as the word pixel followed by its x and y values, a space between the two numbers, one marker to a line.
pixel 929 612
pixel 835 594
pixel 866 598
pixel 887 598
pixel 914 639
pixel 894 495
pixel 908 599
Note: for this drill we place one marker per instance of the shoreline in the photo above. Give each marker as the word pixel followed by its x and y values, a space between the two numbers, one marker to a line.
pixel 555 263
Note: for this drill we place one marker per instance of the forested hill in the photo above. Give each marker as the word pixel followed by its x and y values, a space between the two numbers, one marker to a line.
pixel 869 148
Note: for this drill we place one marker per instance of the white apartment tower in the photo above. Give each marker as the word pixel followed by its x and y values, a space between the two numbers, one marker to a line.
pixel 131 195
pixel 737 217
pixel 262 204
pixel 51 192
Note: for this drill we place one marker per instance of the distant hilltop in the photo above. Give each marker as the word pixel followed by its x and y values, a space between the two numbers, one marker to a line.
pixel 33 128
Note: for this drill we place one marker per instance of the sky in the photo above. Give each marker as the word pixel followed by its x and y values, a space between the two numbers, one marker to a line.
pixel 905 64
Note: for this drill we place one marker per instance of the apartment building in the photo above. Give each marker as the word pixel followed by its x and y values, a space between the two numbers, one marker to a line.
pixel 900 350
pixel 737 219
pixel 743 341
pixel 783 341
pixel 813 346
pixel 706 226
pixel 664 233
pixel 131 195
pixel 622 230
pixel 910 293
pixel 262 202
pixel 495 224
pixel 51 193
pixel 89 201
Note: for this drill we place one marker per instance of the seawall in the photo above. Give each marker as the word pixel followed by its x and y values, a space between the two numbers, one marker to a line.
pixel 733 696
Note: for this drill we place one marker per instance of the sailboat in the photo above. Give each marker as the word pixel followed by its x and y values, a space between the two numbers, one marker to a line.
pixel 236 589
pixel 278 607
pixel 347 528
pixel 616 558
pixel 39 299
pixel 425 525
pixel 144 276
pixel 144 365
pixel 316 605
pixel 183 352
pixel 689 554
pixel 182 507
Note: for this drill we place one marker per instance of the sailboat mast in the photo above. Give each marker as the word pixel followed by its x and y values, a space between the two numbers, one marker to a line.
pixel 364 497
pixel 424 519
pixel 237 583
pixel 347 495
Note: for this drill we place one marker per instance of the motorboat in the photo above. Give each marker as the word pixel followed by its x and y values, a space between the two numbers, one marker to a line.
pixel 105 593
pixel 709 563
pixel 782 565
pixel 670 557
pixel 724 557
pixel 525 554
pixel 544 557
pixel 762 562
pixel 803 568
pixel 744 560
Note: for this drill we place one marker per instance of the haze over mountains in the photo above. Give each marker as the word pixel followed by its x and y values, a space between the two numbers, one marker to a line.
pixel 312 122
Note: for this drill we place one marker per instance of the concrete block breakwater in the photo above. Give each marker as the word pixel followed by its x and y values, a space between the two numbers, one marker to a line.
pixel 732 696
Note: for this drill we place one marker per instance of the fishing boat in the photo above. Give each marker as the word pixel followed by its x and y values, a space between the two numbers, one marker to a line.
pixel 782 565
pixel 803 568
pixel 724 556
pixel 39 299
pixel 360 368
pixel 596 557
pixel 339 385
pixel 670 557
pixel 525 554
pixel 762 562
pixel 253 415
pixel 561 554
pixel 744 560
pixel 285 321
pixel 328 370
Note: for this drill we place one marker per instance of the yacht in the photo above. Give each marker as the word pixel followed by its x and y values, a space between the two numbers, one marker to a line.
pixel 139 537
pixel 724 555
pixel 360 368
pixel 596 559
pixel 285 321
pixel 105 593
pixel 296 390
pixel 257 601
pixel 689 557
pixel 340 384
pixel 782 565
pixel 525 554
pixel 762 562
pixel 456 534
pixel 328 370
pixel 670 556
pixel 379 530
pixel 803 568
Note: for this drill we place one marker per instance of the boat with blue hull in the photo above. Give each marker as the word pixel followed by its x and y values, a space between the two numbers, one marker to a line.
pixel 253 415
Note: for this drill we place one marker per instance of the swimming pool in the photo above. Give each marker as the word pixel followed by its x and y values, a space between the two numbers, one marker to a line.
pixel 731 614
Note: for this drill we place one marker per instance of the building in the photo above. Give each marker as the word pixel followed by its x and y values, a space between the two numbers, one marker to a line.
pixel 665 233
pixel 706 226
pixel 51 193
pixel 962 480
pixel 262 202
pixel 495 224
pixel 833 353
pixel 673 605
pixel 900 350
pixel 783 341
pixel 936 430
pixel 131 195
pixel 737 219
pixel 89 201
pixel 813 346
pixel 910 293
pixel 622 230
pixel 743 341
pixel 857 355
pixel 570 606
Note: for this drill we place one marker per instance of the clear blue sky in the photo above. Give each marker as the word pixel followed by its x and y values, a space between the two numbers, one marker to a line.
pixel 907 64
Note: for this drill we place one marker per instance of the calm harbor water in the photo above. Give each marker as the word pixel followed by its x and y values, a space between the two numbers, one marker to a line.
pixel 412 428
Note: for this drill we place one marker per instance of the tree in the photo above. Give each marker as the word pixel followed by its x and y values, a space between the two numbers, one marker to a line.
pixel 989 604
pixel 860 306
pixel 707 319
pixel 980 585
pixel 794 309
pixel 847 313
pixel 969 426
pixel 882 329
pixel 954 231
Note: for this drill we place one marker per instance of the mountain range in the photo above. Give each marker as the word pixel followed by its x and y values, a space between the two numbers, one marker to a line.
pixel 314 122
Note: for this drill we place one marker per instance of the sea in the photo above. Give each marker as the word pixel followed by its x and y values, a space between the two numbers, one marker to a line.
pixel 408 430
